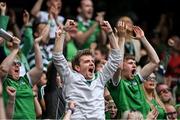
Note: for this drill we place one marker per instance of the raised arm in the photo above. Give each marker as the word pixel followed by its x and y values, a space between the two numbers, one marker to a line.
pixel 3 18
pixel 11 102
pixel 36 8
pixel 36 72
pixel 7 62
pixel 153 57
pixel 116 56
pixel 120 34
pixel 103 35
pixel 59 60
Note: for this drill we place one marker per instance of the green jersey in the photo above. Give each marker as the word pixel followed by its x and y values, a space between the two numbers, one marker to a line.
pixel 129 95
pixel 24 102
pixel 92 38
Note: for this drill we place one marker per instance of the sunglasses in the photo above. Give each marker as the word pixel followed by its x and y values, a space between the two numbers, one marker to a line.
pixel 171 113
pixel 165 90
pixel 17 62
pixel 151 79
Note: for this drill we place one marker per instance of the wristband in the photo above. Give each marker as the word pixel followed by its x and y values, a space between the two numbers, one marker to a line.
pixel 71 109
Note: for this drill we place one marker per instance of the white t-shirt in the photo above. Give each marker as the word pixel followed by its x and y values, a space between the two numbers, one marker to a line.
pixel 43 17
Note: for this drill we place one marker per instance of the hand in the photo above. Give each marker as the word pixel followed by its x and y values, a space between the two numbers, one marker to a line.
pixel 45 33
pixel 72 104
pixel 70 27
pixel 152 115
pixel 2 8
pixel 106 26
pixel 38 39
pixel 100 16
pixel 59 31
pixel 11 91
pixel 26 17
pixel 139 32
pixel 16 43
pixel 121 29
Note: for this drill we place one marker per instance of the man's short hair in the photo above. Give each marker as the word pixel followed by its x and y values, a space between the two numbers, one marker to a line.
pixel 129 56
pixel 104 50
pixel 76 59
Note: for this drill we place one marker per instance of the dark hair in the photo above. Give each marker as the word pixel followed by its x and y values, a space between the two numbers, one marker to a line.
pixel 104 50
pixel 157 86
pixel 76 59
pixel 36 23
pixel 129 56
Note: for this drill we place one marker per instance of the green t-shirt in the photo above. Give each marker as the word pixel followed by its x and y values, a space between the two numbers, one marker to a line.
pixel 24 103
pixel 71 50
pixel 93 37
pixel 128 95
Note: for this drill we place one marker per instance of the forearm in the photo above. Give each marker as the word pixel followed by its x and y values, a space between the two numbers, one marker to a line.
pixel 2 111
pixel 67 115
pixel 151 52
pixel 37 107
pixel 111 66
pixel 103 38
pixel 59 42
pixel 113 40
pixel 10 107
pixel 36 8
pixel 38 57
pixel 16 30
pixel 83 37
pixel 61 65
pixel 7 62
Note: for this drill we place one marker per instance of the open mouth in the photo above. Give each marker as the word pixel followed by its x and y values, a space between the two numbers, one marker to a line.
pixel 16 71
pixel 90 70
pixel 133 71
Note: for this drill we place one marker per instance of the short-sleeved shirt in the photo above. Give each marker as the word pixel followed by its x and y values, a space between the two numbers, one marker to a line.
pixel 129 95
pixel 24 102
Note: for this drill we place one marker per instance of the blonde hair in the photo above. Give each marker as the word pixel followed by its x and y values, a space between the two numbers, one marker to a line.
pixel 156 97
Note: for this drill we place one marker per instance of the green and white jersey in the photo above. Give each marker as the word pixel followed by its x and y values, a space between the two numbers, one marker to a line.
pixel 24 102
pixel 129 95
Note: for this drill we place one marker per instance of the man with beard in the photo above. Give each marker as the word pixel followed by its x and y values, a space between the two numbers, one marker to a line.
pixel 126 91
pixel 81 84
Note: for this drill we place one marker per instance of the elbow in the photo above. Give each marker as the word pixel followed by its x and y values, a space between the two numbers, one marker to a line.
pixel 40 69
pixel 157 62
pixel 39 113
pixel 3 71
pixel 34 14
